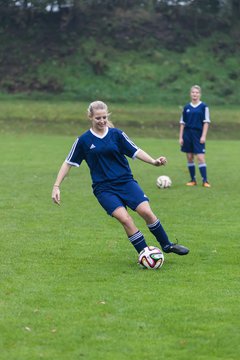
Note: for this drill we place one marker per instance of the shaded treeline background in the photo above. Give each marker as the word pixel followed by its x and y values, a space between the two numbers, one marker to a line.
pixel 144 51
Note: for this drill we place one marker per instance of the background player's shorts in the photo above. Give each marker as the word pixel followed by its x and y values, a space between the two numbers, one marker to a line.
pixel 127 194
pixel 191 142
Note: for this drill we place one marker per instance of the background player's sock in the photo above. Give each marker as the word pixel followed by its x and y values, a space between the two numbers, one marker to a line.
pixel 138 241
pixel 191 169
pixel 160 234
pixel 203 171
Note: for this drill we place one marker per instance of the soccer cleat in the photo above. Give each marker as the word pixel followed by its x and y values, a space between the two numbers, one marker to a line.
pixel 177 249
pixel 206 184
pixel 191 183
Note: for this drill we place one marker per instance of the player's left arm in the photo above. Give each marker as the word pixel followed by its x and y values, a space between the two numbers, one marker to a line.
pixel 204 133
pixel 205 126
pixel 143 156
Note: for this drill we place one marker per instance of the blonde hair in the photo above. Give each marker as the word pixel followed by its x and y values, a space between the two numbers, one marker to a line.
pixel 197 87
pixel 99 105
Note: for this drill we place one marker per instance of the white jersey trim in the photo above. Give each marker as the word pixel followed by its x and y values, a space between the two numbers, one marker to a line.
pixel 129 140
pixel 135 154
pixel 72 163
pixel 72 150
pixel 99 136
pixel 195 105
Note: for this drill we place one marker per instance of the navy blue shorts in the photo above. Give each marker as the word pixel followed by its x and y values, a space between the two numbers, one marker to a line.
pixel 191 142
pixel 127 194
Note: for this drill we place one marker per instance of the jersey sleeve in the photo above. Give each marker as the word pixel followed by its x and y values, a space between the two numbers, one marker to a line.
pixel 183 116
pixel 75 156
pixel 181 120
pixel 127 145
pixel 207 115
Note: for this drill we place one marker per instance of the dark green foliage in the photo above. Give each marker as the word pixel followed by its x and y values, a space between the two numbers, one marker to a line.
pixel 133 51
pixel 127 23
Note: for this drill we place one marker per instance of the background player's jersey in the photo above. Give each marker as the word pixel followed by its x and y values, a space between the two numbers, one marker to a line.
pixel 104 155
pixel 193 117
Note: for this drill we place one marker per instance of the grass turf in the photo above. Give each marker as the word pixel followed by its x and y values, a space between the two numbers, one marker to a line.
pixel 70 284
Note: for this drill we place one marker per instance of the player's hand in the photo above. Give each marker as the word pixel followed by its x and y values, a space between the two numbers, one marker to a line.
pixel 56 195
pixel 160 161
pixel 181 141
pixel 202 140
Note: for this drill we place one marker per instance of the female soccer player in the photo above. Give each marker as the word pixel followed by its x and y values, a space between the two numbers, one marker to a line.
pixel 194 124
pixel 104 148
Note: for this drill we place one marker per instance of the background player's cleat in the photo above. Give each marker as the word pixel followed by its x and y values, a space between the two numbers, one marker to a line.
pixel 191 183
pixel 177 249
pixel 206 184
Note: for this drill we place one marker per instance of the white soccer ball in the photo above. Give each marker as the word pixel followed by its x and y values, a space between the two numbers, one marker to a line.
pixel 151 258
pixel 164 182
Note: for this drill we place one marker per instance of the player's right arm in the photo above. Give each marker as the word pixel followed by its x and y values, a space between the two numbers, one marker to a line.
pixel 64 170
pixel 181 134
pixel 142 155
pixel 182 125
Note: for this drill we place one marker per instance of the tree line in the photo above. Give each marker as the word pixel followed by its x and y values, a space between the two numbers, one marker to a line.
pixel 128 23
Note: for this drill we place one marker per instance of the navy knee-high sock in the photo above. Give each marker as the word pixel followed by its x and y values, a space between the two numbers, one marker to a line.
pixel 160 234
pixel 203 171
pixel 138 241
pixel 191 169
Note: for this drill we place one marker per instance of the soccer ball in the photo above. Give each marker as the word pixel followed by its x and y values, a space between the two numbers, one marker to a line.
pixel 164 182
pixel 151 258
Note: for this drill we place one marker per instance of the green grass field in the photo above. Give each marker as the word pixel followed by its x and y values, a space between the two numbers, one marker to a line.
pixel 70 285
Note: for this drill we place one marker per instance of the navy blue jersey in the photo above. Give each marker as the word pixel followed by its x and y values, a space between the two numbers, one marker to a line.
pixel 194 116
pixel 105 156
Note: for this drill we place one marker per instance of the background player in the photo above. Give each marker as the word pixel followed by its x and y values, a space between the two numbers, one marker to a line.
pixel 105 148
pixel 194 125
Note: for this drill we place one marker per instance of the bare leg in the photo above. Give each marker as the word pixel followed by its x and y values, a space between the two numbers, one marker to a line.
pixel 126 220
pixel 190 157
pixel 201 159
pixel 134 235
pixel 145 211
